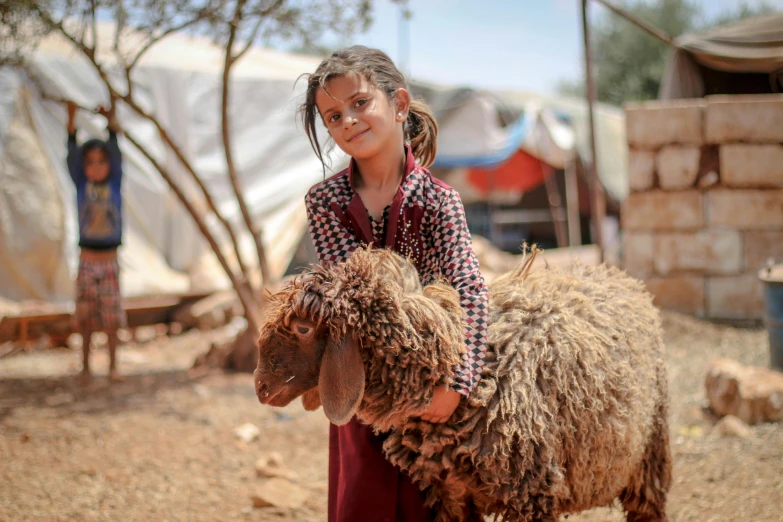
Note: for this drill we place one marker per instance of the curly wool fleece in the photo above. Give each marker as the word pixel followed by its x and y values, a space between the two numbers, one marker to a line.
pixel 571 409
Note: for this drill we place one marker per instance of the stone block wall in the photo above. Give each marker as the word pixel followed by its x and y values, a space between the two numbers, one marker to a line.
pixel 705 210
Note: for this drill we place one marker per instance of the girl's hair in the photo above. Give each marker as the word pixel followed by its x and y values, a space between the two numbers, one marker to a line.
pixel 95 144
pixel 420 129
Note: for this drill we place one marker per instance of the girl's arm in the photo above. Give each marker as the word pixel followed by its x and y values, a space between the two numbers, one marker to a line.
pixel 458 263
pixel 115 159
pixel 75 168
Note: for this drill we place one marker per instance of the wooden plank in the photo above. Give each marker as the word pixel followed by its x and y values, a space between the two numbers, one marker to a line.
pixel 555 205
pixel 45 318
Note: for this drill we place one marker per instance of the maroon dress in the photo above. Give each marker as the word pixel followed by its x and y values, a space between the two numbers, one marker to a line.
pixel 425 222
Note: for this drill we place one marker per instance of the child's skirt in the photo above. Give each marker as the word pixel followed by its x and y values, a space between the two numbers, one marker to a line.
pixel 364 486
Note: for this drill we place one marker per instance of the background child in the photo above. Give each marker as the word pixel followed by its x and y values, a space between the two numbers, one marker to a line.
pixel 388 199
pixel 96 170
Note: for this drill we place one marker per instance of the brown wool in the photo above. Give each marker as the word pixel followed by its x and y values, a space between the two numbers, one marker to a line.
pixel 571 409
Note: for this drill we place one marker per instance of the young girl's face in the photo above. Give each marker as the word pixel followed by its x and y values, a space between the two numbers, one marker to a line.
pixel 360 117
pixel 96 165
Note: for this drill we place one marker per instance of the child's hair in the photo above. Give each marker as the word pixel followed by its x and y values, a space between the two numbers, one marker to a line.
pixel 95 144
pixel 420 129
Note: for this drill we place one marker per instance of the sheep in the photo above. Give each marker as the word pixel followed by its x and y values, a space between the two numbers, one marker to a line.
pixel 570 412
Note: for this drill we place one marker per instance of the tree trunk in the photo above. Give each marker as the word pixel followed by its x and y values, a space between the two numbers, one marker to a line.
pixel 230 60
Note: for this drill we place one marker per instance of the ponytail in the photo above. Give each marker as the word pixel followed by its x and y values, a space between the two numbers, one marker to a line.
pixel 421 130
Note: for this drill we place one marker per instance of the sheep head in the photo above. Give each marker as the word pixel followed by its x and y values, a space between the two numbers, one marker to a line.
pixel 339 336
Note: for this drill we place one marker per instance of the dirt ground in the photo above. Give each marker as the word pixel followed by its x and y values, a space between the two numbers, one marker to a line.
pixel 161 446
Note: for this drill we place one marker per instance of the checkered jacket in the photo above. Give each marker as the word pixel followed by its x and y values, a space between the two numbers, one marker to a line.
pixel 426 222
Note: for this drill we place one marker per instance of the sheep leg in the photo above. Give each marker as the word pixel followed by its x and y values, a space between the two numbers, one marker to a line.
pixel 644 500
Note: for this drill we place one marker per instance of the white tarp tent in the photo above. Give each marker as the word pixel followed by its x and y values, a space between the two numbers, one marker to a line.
pixel 179 81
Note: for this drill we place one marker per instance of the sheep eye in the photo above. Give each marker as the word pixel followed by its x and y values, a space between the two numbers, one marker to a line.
pixel 303 330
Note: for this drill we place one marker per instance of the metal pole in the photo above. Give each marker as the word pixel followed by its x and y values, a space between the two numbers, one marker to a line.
pixel 597 200
pixel 572 203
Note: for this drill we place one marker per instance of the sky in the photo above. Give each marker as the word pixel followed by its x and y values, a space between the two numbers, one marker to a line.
pixel 523 45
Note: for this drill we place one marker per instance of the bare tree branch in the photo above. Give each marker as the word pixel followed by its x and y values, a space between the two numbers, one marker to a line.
pixel 255 231
pixel 196 178
pixel 161 36
pixel 262 16
pixel 249 42
pixel 94 25
pixel 248 301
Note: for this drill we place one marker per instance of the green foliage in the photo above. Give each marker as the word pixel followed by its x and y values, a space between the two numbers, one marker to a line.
pixel 23 23
pixel 628 62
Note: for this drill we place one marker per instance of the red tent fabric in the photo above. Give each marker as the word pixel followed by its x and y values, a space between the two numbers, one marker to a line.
pixel 519 174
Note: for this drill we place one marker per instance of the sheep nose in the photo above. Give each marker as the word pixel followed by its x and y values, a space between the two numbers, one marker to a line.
pixel 262 390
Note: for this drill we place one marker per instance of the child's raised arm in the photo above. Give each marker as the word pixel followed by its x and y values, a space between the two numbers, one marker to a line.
pixel 115 158
pixel 75 168
pixel 71 117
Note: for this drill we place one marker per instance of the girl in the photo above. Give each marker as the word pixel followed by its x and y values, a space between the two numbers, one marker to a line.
pixel 387 198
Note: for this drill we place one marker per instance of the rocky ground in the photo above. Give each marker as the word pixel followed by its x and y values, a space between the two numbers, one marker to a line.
pixel 164 444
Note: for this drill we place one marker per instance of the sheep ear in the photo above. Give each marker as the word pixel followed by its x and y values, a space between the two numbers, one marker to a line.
pixel 311 399
pixel 341 381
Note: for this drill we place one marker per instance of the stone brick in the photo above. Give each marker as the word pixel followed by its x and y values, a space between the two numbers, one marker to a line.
pixel 638 254
pixel 752 165
pixel 751 393
pixel 652 124
pixel 659 210
pixel 744 209
pixel 755 118
pixel 735 297
pixel 760 246
pixel 679 293
pixel 677 167
pixel 711 251
pixel 641 164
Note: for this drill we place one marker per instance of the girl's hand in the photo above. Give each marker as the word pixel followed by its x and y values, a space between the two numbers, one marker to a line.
pixel 444 402
pixel 71 116
pixel 109 114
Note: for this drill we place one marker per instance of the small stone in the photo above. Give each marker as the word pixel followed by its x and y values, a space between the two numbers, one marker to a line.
pixel 161 330
pixel 175 328
pixel 202 391
pixel 144 334
pixel 100 339
pixel 74 341
pixel 247 432
pixel 731 426
pixel 752 394
pixel 124 335
pixel 708 180
pixel 280 493
pixel 58 399
pixel 133 357
pixel 272 465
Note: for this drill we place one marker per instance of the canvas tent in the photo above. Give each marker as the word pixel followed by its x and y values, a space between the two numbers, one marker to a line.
pixel 179 81
pixel 163 252
pixel 484 130
pixel 741 58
